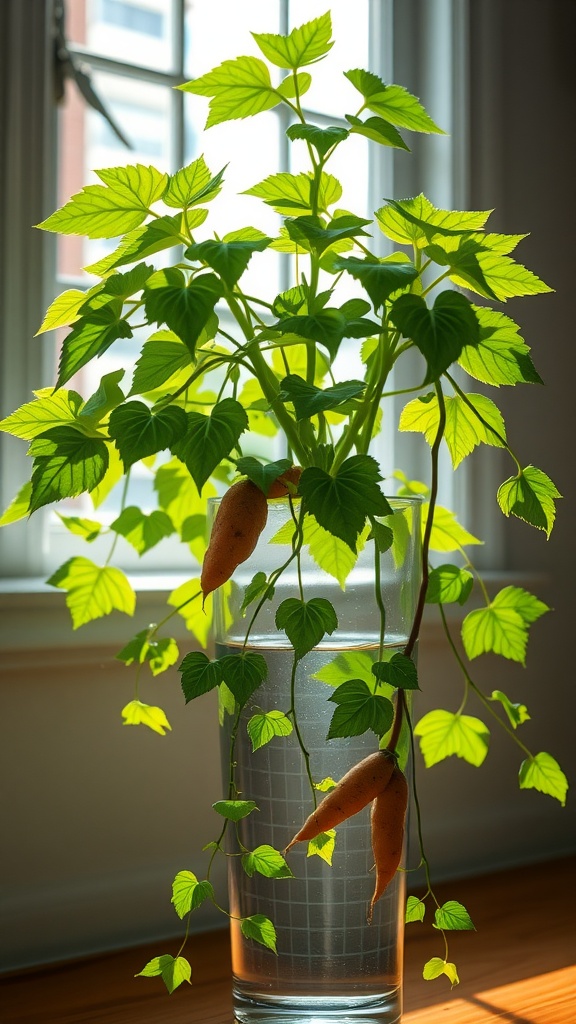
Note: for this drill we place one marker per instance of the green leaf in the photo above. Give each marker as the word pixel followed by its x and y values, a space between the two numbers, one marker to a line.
pixel 499 356
pixel 262 475
pixel 107 396
pixel 62 311
pixel 308 400
pixel 453 916
pixel 66 463
pixel 543 773
pixel 205 440
pixel 98 212
pixel 379 279
pixel 325 785
pixel 161 357
pixel 160 654
pixel 192 184
pixel 529 607
pixel 530 496
pixel 392 102
pixel 161 233
pixel 188 893
pixel 463 262
pixel 50 409
pixel 118 286
pixel 172 970
pixel 266 861
pixel 91 336
pixel 417 222
pixel 443 734
pixel 264 726
pixel 139 432
pixel 259 928
pixel 358 710
pixel 415 909
pixel 341 503
pixel 257 587
pixel 243 673
pixel 88 529
pixel 517 713
pixel 321 138
pixel 228 259
pixel 289 87
pixel 317 236
pixel 377 130
pixel 349 665
pixel 305 45
pixel 383 536
pixel 441 332
pixel 502 278
pixel 326 328
pixel 290 194
pixel 448 583
pixel 184 307
pixel 234 810
pixel 323 846
pixel 143 531
pixel 495 629
pixel 18 507
pixel 464 429
pixel 330 553
pixel 137 713
pixel 306 622
pixel 447 533
pixel 199 674
pixel 399 672
pixel 138 184
pixel 238 88
pixel 93 590
pixel 436 967
pixel 178 494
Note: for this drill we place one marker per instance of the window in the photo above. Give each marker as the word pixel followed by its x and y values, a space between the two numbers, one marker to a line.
pixel 137 53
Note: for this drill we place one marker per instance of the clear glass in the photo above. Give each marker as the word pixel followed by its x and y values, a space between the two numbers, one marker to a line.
pixel 330 965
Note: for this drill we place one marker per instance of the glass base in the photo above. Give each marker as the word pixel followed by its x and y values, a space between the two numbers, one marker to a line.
pixel 260 1008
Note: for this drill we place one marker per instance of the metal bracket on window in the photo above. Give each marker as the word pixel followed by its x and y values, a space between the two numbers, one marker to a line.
pixel 68 66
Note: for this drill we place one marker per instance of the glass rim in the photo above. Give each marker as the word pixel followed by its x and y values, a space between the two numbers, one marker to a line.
pixel 394 500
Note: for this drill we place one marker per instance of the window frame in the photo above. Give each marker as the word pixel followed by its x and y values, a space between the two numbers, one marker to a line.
pixel 418 35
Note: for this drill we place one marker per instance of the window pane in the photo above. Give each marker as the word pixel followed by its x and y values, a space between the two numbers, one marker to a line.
pixel 330 91
pixel 220 30
pixel 133 31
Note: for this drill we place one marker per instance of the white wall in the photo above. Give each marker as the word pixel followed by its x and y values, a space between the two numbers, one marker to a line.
pixel 97 817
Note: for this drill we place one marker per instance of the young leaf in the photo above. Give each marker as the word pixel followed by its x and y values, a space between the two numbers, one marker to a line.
pixel 290 194
pixel 499 356
pixel 161 233
pixel 143 531
pixel 199 674
pixel 497 630
pixel 464 429
pixel 88 529
pixel 204 441
pixel 306 622
pixel 530 496
pixel 331 554
pixel 188 893
pixel 305 45
pixel 263 475
pixel 443 734
pixel 517 713
pixel 265 725
pixel 237 89
pixel 325 785
pixel 542 772
pixel 160 358
pixel 62 311
pixel 93 590
pixel 378 130
pixel 50 409
pixel 379 279
pixel 137 713
pixel 348 665
pixel 91 336
pixel 392 102
pixel 228 259
pixel 257 587
pixel 529 607
pixel 234 810
pixel 66 463
pixel 184 307
pixel 191 185
pixel 358 710
pixel 243 673
pixel 18 507
pixel 160 654
pixel 436 967
pixel 139 432
pixel 108 396
pixel 448 583
pixel 309 400
pixel 266 861
pixel 415 909
pixel 323 846
pixel 441 332
pixel 261 929
pixel 341 503
pixel 452 916
pixel 321 138
pixel 400 672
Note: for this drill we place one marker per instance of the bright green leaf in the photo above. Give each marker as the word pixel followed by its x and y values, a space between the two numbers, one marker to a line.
pixel 66 463
pixel 88 529
pixel 530 496
pixel 188 893
pixel 447 533
pixel 448 583
pixel 93 590
pixel 323 846
pixel 137 713
pixel 266 861
pixel 161 233
pixel 138 184
pixel 542 772
pixel 259 928
pixel 143 531
pixel 63 310
pixel 452 916
pixel 50 409
pixel 517 713
pixel 415 909
pixel 497 630
pixel 417 222
pixel 237 89
pixel 464 428
pixel 234 810
pixel 321 138
pixel 98 212
pixel 377 130
pixel 443 734
pixel 18 507
pixel 500 355
pixel 392 102
pixel 192 184
pixel 265 725
pixel 161 357
pixel 435 967
pixel 304 45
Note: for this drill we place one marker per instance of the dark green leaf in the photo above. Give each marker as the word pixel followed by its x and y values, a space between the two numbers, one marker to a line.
pixel 382 536
pixel 159 360
pixel 441 332
pixel 308 400
pixel 341 503
pixel 228 259
pixel 379 279
pixel 262 474
pixel 321 138
pixel 66 463
pixel 91 336
pixel 243 673
pixel 256 589
pixel 326 328
pixel 463 264
pixel 378 130
pixel 359 710
pixel 107 396
pixel 161 233
pixel 400 672
pixel 205 440
pixel 320 236
pixel 184 308
pixel 199 674
pixel 306 622
pixel 139 432
pixel 449 583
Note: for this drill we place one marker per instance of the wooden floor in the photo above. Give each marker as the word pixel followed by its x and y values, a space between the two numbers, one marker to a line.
pixel 517 967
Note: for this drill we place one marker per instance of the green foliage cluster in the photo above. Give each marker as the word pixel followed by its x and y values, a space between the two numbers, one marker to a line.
pixel 199 394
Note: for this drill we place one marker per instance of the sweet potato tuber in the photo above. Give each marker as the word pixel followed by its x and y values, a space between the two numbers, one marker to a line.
pixel 387 822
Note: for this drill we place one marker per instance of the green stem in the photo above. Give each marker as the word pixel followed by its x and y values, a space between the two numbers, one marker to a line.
pixel 301 744
pixel 122 507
